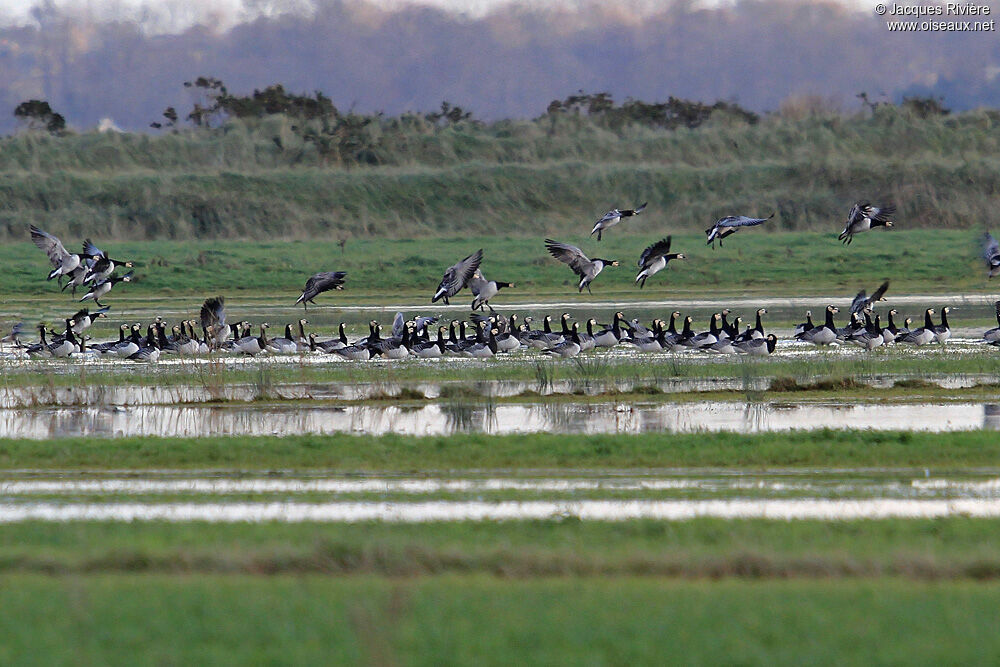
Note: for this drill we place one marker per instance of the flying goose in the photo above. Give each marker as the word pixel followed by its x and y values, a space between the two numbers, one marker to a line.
pixel 863 217
pixel 655 258
pixel 613 217
pixel 586 268
pixel 993 335
pixel 63 261
pixel 101 266
pixel 457 277
pixel 83 319
pixel 863 302
pixel 483 290
pixel 991 253
pixel 731 224
pixel 319 283
pixel 100 289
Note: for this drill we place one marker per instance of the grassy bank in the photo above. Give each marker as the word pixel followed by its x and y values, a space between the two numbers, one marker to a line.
pixel 392 453
pixel 954 548
pixel 253 180
pixel 473 620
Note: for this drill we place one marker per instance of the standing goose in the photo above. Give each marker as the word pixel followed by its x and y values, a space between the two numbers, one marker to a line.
pixel 890 331
pixel 991 253
pixel 871 336
pixel 429 349
pixel 283 344
pixel 612 335
pixel 654 259
pixel 729 225
pixel 587 269
pixel 825 333
pixel 253 345
pixel 992 336
pixel 483 290
pixel 100 289
pixel 942 332
pixel 863 217
pixel 757 346
pixel 710 337
pixel 63 261
pixel 319 283
pixel 924 335
pixel 804 326
pixel 338 343
pixel 864 302
pixel 457 277
pixel 758 329
pixel 613 217
pixel 569 347
pixel 488 345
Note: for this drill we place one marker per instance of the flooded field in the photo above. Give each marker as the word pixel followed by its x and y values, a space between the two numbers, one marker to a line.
pixel 496 419
pixel 608 496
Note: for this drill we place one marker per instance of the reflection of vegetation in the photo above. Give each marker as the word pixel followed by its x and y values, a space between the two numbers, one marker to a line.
pixel 470 415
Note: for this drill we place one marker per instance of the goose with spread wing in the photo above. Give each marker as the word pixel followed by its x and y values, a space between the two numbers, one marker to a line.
pixel 991 253
pixel 613 217
pixel 863 216
pixel 587 269
pixel 729 225
pixel 63 261
pixel 457 277
pixel 319 283
pixel 654 259
pixel 864 302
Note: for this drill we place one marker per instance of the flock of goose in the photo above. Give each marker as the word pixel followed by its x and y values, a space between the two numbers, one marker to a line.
pixel 483 335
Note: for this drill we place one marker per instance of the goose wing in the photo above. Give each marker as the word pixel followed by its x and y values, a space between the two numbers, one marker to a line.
pixel 879 293
pixel 52 246
pixel 213 312
pixel 568 254
pixel 458 276
pixel 610 215
pixel 991 248
pixel 321 282
pixel 741 221
pixel 661 247
pixel 90 249
pixel 477 282
pixel 881 214
pixel 859 302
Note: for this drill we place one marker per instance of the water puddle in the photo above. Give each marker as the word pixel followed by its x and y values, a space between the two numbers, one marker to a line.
pixel 446 418
pixel 439 511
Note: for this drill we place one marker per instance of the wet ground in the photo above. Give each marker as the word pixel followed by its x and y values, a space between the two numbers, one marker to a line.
pixel 449 417
pixel 608 496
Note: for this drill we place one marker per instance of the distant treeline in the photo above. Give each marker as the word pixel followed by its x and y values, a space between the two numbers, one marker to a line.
pixel 275 164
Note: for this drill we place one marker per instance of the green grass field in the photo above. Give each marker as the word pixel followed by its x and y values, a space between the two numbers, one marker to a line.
pixel 476 620
pixel 758 262
pixel 395 453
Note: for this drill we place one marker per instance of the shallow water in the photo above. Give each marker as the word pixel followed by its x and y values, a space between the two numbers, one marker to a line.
pixel 598 496
pixel 496 419
pixel 422 512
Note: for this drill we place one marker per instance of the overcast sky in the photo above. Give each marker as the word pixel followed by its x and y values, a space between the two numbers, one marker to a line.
pixel 177 15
